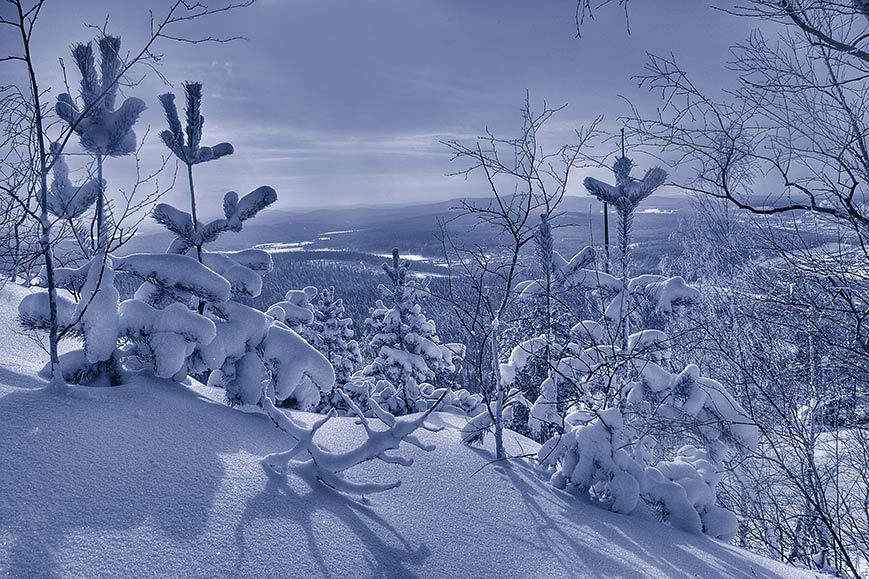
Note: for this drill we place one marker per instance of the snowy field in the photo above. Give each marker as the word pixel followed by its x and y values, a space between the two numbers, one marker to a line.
pixel 152 479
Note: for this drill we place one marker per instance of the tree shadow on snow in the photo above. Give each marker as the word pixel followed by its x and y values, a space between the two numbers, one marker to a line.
pixel 384 550
pixel 13 378
pixel 698 555
pixel 77 465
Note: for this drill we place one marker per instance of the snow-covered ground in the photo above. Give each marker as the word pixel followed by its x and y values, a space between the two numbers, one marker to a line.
pixel 153 479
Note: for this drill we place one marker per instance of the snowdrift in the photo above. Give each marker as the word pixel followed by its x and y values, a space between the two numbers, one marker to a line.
pixel 159 480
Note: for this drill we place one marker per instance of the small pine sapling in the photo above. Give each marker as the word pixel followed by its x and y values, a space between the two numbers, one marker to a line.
pixel 103 130
pixel 625 195
pixel 189 151
pixel 407 350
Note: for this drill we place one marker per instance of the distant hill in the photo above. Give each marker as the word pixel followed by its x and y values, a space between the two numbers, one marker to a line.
pixel 416 229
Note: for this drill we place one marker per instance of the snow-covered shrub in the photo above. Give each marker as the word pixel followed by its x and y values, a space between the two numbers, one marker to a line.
pixel 407 349
pixel 683 491
pixel 595 456
pixel 636 405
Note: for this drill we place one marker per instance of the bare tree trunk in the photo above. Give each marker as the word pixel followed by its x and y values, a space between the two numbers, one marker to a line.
pixel 193 209
pixel 625 222
pixel 499 392
pixel 16 251
pixel 102 231
pixel 57 382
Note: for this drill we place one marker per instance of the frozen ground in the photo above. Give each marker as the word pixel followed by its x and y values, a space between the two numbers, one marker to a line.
pixel 153 479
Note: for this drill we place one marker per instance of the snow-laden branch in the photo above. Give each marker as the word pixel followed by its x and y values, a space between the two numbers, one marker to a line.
pixel 316 463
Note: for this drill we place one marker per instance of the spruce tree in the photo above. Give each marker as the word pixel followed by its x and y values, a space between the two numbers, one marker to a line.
pixel 332 334
pixel 407 350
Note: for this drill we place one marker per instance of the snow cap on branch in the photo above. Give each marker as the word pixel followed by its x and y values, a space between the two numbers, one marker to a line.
pixel 103 130
pixel 68 200
pixel 627 192
pixel 189 152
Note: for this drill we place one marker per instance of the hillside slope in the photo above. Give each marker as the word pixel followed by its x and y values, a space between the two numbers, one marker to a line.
pixel 155 479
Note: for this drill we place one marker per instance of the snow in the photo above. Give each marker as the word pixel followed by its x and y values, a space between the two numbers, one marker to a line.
pixel 243 280
pixel 34 308
pixel 671 292
pixel 98 311
pixel 164 338
pixel 66 199
pixel 176 272
pixel 519 356
pixel 297 310
pixel 157 479
pixel 299 370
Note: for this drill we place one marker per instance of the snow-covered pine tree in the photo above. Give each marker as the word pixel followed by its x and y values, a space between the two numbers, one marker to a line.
pixel 93 317
pixel 103 130
pixel 331 333
pixel 189 151
pixel 407 350
pixel 625 195
pixel 297 312
pixel 544 311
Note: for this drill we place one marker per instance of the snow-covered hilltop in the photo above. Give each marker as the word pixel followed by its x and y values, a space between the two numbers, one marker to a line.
pixel 648 359
pixel 161 480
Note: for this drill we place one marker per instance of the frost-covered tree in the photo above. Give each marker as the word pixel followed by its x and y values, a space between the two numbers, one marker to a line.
pixel 525 180
pixel 625 195
pixel 407 350
pixel 103 130
pixel 232 357
pixel 332 334
pixel 645 432
pixel 297 312
pixel 546 311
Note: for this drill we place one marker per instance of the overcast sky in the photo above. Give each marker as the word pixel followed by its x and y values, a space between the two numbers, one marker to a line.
pixel 345 102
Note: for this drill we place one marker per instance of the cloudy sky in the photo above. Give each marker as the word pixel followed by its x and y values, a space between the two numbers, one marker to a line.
pixel 345 102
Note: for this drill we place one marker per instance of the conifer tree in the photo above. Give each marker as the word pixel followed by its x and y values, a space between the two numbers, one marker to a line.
pixel 646 433
pixel 544 313
pixel 625 195
pixel 332 334
pixel 189 151
pixel 103 130
pixel 407 350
